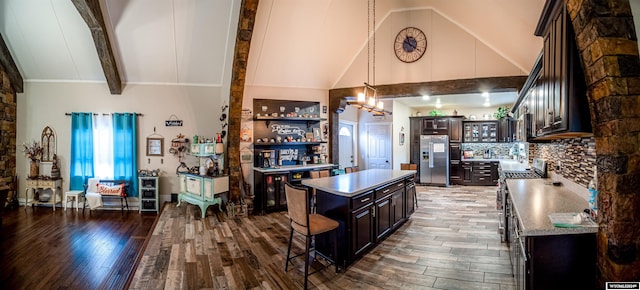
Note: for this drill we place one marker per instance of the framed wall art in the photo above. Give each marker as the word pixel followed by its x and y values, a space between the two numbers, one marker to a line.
pixel 155 146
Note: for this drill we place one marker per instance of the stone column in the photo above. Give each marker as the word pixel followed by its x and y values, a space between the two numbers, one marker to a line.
pixel 246 20
pixel 608 47
pixel 8 115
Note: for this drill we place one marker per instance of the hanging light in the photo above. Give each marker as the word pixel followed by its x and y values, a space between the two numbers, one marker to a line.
pixel 438 104
pixel 368 99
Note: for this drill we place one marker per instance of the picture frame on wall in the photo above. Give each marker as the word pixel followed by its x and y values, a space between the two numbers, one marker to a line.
pixel 401 139
pixel 155 146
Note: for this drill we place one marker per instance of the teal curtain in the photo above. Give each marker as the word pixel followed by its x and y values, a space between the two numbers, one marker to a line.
pixel 81 162
pixel 125 150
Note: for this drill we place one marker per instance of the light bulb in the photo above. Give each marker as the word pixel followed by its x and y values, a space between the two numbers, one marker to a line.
pixel 372 101
pixel 485 94
pixel 438 105
pixel 426 97
pixel 380 105
pixel 361 97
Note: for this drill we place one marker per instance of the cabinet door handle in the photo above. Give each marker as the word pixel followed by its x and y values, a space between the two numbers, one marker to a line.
pixel 386 190
pixel 365 199
pixel 400 185
pixel 373 212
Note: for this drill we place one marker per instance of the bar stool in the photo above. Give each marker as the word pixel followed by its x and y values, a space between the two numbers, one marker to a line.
pixel 74 195
pixel 308 224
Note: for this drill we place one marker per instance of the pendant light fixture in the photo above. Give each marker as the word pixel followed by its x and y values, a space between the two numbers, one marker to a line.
pixel 368 100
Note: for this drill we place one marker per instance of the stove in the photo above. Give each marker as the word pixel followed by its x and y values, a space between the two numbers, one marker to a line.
pixel 538 170
pixel 521 175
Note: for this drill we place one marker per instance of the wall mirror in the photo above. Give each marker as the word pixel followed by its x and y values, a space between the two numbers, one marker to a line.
pixel 48 141
pixel 155 146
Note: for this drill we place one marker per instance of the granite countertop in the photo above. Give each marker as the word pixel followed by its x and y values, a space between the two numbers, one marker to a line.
pixel 293 168
pixel 480 159
pixel 534 199
pixel 352 184
pixel 513 165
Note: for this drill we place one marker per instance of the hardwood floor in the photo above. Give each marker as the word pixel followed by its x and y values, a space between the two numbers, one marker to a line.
pixel 42 249
pixel 450 242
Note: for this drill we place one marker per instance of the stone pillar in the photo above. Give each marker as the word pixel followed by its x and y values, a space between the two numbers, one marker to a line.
pixel 608 47
pixel 246 20
pixel 8 115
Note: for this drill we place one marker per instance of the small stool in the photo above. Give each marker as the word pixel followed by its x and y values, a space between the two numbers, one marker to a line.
pixel 75 195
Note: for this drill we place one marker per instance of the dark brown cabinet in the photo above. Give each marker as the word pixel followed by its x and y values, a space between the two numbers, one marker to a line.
pixel 551 261
pixel 362 237
pixel 383 217
pixel 467 172
pixel 435 126
pixel 367 218
pixel 455 172
pixel 506 130
pixel 270 187
pixel 410 197
pixel 455 129
pixel 480 131
pixel 556 88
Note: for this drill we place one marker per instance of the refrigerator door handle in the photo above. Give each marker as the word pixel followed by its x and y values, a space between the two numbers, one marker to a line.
pixel 431 155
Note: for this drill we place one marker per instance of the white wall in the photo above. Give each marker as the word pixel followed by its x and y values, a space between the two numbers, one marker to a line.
pixel 45 104
pixel 452 53
pixel 401 124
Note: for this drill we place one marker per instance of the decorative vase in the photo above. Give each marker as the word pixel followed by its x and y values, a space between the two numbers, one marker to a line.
pixel 33 169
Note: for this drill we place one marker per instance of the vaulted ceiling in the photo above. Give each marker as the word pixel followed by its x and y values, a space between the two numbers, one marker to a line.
pixel 302 44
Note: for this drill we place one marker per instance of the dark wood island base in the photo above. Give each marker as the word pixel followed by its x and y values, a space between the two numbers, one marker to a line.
pixel 369 206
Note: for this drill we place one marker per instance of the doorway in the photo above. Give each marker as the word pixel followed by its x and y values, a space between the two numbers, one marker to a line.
pixel 378 145
pixel 347 140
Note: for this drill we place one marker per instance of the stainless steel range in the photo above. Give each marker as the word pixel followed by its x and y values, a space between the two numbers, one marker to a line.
pixel 538 170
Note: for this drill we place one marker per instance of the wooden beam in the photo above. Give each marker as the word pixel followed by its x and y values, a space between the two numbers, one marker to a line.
pixel 338 97
pixel 10 67
pixel 92 14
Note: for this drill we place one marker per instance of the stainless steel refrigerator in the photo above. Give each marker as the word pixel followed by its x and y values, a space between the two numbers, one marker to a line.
pixel 434 159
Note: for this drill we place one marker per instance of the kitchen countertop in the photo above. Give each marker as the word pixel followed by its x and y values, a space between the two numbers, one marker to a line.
pixel 534 199
pixel 352 184
pixel 293 168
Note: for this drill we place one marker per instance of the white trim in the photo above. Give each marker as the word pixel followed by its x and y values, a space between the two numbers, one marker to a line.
pixel 354 139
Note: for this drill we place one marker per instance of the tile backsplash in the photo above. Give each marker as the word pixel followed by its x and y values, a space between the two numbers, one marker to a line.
pixel 576 157
pixel 497 149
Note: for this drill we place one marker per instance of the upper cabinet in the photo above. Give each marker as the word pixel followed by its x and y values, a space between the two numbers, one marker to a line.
pixel 555 93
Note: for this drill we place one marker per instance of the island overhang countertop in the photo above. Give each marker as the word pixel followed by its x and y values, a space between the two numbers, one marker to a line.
pixel 352 184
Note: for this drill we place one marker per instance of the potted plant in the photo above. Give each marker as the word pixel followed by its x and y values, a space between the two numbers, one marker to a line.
pixel 501 113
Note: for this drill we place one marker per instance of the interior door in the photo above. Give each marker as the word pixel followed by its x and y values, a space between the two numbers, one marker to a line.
pixel 378 146
pixel 346 137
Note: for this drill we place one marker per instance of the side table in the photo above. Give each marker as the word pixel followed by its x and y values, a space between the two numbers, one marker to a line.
pixel 74 195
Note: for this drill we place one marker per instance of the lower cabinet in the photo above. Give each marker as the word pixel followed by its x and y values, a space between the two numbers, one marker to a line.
pixel 410 197
pixel 565 261
pixel 474 172
pixel 467 172
pixel 362 237
pixel 269 194
pixel 366 219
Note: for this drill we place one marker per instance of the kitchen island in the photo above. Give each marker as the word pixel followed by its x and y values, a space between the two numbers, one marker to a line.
pixel 369 205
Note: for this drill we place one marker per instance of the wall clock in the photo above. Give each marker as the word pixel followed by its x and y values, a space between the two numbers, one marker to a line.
pixel 410 44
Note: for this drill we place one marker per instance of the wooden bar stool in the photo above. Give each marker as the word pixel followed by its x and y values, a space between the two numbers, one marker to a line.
pixel 309 225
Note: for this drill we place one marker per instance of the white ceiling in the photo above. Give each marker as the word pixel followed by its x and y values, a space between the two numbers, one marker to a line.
pixel 300 44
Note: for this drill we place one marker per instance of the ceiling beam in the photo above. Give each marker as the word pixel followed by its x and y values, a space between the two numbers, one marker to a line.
pixel 10 67
pixel 92 14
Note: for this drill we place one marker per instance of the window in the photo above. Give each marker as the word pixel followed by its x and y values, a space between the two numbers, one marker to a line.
pixel 103 146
